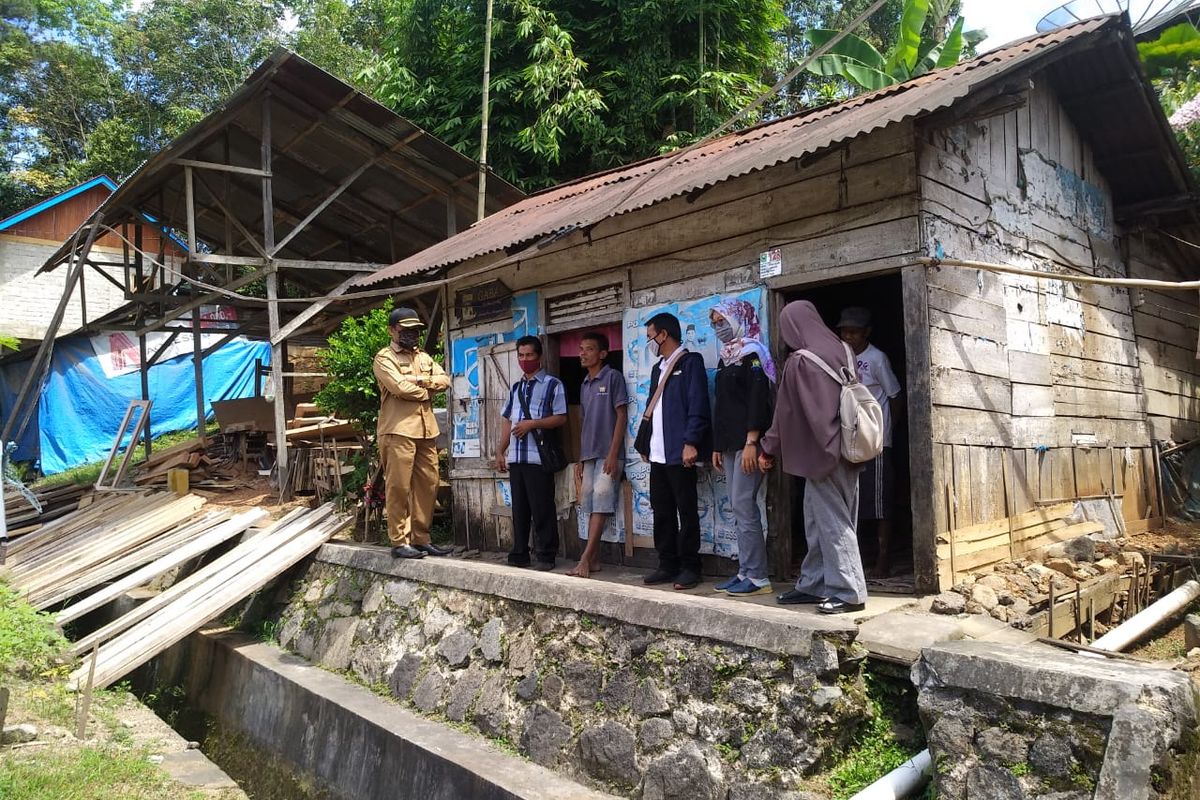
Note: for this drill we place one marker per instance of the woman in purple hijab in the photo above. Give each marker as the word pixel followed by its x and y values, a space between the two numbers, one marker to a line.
pixel 805 437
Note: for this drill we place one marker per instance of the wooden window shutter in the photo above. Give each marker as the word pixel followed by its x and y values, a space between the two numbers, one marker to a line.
pixel 586 304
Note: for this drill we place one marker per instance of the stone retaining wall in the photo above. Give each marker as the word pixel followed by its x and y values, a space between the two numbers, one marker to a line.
pixel 1009 722
pixel 619 698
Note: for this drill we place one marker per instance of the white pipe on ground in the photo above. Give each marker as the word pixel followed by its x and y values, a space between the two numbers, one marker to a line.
pixel 910 776
pixel 1149 617
pixel 901 782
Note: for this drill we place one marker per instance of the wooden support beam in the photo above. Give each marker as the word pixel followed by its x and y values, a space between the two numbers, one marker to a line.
pixel 920 425
pixel 219 343
pixel 278 335
pixel 189 190
pixel 332 266
pixel 221 258
pixel 231 220
pixel 162 348
pixel 107 277
pixel 324 204
pixel 281 451
pixel 189 163
pixel 236 283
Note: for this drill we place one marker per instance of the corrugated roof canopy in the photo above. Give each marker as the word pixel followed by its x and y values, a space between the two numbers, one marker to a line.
pixel 322 131
pixel 1093 65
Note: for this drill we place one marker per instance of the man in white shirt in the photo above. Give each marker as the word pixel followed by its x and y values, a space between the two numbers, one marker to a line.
pixel 877 484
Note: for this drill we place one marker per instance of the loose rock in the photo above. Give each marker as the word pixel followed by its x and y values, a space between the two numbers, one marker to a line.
pixel 949 603
pixel 18 734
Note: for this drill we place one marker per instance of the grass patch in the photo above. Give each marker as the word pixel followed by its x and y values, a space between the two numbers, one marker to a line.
pixel 29 643
pixel 876 751
pixel 88 773
pixel 86 474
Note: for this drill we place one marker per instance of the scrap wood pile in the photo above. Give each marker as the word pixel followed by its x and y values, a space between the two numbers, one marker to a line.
pixel 1046 572
pixel 320 448
pixel 56 501
pixel 310 425
pixel 208 461
pixel 167 618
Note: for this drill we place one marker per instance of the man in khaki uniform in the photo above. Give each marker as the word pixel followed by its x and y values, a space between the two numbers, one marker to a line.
pixel 407 435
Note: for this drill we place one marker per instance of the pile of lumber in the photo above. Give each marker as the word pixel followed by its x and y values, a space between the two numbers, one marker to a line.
pixel 167 618
pixel 979 548
pixel 56 501
pixel 113 536
pixel 204 459
pixel 309 425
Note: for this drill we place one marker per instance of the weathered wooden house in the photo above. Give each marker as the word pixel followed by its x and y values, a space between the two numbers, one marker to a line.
pixel 1051 154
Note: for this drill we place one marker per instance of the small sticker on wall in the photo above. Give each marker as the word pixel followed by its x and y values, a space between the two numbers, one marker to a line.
pixel 770 264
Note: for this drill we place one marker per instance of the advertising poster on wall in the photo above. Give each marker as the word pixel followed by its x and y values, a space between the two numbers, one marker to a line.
pixel 717 531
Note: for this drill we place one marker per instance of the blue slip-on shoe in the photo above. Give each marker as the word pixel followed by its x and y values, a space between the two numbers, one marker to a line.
pixel 748 588
pixel 728 584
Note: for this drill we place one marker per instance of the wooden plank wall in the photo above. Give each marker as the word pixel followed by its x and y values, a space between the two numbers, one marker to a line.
pixel 1166 325
pixel 851 211
pixel 1036 387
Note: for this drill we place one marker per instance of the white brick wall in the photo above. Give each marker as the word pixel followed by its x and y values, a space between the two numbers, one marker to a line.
pixel 28 300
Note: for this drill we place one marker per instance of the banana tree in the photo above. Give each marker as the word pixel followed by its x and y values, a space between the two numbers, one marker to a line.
pixel 915 53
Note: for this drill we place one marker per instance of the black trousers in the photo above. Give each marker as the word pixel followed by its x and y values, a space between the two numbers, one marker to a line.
pixel 533 502
pixel 676 517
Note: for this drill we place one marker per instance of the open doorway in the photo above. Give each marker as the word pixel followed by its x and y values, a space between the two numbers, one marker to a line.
pixel 882 296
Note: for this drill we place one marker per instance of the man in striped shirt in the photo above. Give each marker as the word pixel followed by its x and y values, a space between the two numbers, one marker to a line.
pixel 536 401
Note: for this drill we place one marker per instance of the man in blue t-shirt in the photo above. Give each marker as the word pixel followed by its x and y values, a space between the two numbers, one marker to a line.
pixel 535 402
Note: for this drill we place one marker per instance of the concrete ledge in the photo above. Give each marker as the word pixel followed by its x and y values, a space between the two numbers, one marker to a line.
pixel 776 630
pixel 351 741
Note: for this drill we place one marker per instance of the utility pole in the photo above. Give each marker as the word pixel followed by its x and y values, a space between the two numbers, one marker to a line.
pixel 483 133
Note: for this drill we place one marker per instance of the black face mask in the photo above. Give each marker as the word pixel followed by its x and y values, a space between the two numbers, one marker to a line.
pixel 408 338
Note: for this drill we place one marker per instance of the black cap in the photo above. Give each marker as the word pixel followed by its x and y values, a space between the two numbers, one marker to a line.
pixel 405 317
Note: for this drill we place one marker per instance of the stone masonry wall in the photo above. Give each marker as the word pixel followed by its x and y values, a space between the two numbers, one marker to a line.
pixel 1009 722
pixel 630 709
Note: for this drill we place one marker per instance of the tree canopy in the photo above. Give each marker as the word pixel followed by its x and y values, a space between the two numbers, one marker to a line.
pixel 96 86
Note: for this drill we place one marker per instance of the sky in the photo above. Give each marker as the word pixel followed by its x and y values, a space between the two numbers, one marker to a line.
pixel 1006 20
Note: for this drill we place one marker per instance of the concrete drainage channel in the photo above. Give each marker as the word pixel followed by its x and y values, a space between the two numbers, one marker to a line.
pixel 646 696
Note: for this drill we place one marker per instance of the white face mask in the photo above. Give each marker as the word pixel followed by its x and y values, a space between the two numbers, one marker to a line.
pixel 653 347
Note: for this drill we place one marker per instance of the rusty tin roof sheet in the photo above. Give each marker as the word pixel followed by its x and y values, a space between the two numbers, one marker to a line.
pixel 593 198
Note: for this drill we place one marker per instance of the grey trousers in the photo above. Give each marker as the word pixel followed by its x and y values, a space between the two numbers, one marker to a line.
pixel 743 496
pixel 833 568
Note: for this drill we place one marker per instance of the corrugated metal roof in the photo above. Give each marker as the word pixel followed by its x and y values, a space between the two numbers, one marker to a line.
pixel 589 200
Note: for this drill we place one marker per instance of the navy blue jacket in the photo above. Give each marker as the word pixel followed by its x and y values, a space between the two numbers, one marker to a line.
pixel 685 410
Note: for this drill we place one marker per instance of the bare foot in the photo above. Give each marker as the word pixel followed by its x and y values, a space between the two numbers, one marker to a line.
pixel 595 566
pixel 580 570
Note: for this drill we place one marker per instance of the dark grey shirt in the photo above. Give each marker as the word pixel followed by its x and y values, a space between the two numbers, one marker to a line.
pixel 600 397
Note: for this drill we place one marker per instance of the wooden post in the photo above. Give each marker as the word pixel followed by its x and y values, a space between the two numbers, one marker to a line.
pixel 139 287
pixel 190 200
pixel 281 454
pixel 22 409
pixel 483 128
pixel 85 704
pixel 451 215
pixel 198 372
pixel 915 296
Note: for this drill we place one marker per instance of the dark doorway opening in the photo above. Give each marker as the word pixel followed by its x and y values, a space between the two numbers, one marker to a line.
pixel 882 295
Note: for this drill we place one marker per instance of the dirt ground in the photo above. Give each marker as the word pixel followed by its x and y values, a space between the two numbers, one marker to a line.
pixel 1180 538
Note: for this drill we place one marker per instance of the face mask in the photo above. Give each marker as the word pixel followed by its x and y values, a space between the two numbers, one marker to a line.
pixel 724 331
pixel 653 347
pixel 530 367
pixel 408 338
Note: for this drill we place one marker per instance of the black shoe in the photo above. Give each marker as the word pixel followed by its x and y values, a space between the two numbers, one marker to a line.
pixel 404 551
pixel 832 606
pixel 544 566
pixel 434 550
pixel 686 580
pixel 518 564
pixel 659 576
pixel 795 597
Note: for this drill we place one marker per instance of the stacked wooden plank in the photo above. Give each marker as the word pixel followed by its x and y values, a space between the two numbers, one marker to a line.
pixel 978 548
pixel 163 620
pixel 113 536
pixel 56 501
pixel 193 455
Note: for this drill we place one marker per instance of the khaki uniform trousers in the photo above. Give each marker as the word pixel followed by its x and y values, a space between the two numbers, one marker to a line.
pixel 410 473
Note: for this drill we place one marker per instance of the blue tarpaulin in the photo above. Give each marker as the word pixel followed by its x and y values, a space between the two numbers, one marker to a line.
pixel 80 408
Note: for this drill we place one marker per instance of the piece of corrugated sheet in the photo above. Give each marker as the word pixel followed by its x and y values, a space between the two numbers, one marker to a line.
pixel 589 200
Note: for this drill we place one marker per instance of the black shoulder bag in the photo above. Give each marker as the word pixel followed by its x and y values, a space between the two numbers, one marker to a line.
pixel 549 444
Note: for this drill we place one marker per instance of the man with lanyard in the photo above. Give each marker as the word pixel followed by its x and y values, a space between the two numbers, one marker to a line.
pixel 407 435
pixel 535 402
pixel 680 436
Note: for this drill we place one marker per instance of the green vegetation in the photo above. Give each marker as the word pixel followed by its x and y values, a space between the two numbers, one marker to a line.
pixel 927 41
pixel 87 773
pixel 876 750
pixel 1173 63
pixel 29 644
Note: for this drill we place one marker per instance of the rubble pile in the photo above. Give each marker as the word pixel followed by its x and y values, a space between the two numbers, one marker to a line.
pixel 1015 590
